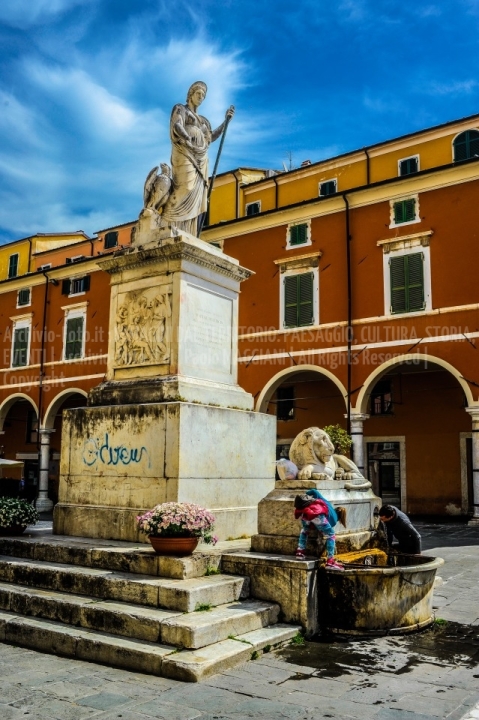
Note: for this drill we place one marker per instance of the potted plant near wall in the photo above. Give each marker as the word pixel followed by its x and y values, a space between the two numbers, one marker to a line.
pixel 15 515
pixel 176 528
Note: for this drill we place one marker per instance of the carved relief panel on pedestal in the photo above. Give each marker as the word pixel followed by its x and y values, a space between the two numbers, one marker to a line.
pixel 143 327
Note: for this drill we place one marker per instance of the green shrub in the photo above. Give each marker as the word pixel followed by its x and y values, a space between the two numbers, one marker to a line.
pixel 340 439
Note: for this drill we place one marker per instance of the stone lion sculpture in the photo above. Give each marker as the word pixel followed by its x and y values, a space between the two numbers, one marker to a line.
pixel 313 453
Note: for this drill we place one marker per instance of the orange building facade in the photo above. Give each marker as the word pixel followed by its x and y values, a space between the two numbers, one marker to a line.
pixel 363 311
pixel 54 330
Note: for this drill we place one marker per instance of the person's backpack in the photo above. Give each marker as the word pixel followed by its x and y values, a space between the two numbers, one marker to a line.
pixel 333 516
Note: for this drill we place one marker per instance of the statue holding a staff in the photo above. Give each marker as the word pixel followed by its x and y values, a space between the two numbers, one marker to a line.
pixel 179 197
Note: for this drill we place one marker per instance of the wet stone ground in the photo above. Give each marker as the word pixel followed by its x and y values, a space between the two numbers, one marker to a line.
pixel 432 675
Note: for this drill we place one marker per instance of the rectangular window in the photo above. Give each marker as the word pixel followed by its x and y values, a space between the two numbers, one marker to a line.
pixel 13 266
pixel 74 259
pixel 253 208
pixel 75 286
pixel 407 283
pixel 327 188
pixel 298 300
pixel 298 234
pixel 409 166
pixel 285 403
pixel 20 346
pixel 23 297
pixel 405 211
pixel 381 398
pixel 74 337
pixel 45 267
pixel 111 239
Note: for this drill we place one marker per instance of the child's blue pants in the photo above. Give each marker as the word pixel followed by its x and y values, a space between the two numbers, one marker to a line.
pixel 323 527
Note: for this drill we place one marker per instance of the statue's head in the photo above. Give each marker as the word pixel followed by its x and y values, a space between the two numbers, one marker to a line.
pixel 197 91
pixel 310 447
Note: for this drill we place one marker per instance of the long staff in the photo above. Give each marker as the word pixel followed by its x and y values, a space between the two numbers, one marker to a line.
pixel 223 135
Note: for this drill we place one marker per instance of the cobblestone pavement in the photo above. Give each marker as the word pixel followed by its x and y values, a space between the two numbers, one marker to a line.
pixel 426 676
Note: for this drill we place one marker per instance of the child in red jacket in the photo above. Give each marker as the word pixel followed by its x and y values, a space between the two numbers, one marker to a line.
pixel 314 511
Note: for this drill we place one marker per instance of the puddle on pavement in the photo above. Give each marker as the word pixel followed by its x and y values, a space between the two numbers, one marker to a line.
pixel 448 645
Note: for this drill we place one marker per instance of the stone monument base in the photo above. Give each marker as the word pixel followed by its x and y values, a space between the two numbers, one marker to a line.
pixel 119 461
pixel 278 531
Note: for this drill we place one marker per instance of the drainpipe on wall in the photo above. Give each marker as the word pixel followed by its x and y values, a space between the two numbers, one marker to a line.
pixel 30 241
pixel 349 326
pixel 236 193
pixel 276 192
pixel 368 176
pixel 43 503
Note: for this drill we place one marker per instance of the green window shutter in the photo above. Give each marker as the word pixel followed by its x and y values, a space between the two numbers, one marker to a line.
pixel 305 297
pixel 466 145
pixel 291 301
pixel 111 239
pixel 298 234
pixel 407 283
pixel 415 281
pixel 408 166
pixel 298 300
pixel 397 269
pixel 404 211
pixel 74 338
pixel 13 266
pixel 20 347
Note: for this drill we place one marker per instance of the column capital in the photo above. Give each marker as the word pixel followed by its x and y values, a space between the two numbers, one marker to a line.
pixel 45 431
pixel 473 411
pixel 358 417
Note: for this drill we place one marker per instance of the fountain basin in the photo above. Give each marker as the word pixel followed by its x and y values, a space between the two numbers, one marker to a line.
pixel 377 599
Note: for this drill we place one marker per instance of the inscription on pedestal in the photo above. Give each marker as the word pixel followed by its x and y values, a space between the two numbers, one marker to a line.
pixel 207 337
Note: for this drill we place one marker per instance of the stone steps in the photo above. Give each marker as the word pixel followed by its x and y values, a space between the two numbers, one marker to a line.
pixel 168 593
pixel 118 556
pixel 188 630
pixel 93 600
pixel 138 655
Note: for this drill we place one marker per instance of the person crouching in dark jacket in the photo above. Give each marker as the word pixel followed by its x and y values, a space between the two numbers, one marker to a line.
pixel 399 526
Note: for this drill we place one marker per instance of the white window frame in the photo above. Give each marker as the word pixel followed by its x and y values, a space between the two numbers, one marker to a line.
pixel 409 157
pixel 19 323
pixel 29 299
pixel 253 202
pixel 299 271
pixel 334 180
pixel 308 234
pixel 72 312
pixel 72 280
pixel 402 199
pixel 45 267
pixel 74 259
pixel 398 247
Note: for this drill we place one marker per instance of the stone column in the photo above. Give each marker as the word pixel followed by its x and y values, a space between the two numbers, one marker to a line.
pixel 357 435
pixel 474 413
pixel 43 503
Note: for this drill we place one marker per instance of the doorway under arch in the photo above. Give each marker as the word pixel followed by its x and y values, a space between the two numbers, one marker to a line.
pixel 417 438
pixel 302 397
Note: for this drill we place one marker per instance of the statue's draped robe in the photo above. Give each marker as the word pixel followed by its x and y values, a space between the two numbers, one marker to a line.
pixel 188 198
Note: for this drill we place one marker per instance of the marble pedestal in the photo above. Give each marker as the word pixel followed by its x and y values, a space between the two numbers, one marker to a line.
pixel 119 461
pixel 278 531
pixel 170 422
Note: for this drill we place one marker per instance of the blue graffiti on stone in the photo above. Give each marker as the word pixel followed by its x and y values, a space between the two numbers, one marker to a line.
pixel 96 450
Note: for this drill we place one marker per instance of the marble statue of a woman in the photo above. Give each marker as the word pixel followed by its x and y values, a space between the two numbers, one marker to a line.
pixel 191 136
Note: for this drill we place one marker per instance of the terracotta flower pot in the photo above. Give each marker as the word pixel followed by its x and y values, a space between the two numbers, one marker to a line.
pixel 178 546
pixel 13 530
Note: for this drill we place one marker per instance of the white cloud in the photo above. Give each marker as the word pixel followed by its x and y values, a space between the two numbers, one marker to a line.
pixel 25 13
pixel 461 87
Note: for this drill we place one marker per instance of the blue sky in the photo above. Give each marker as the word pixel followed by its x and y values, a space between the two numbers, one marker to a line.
pixel 86 89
